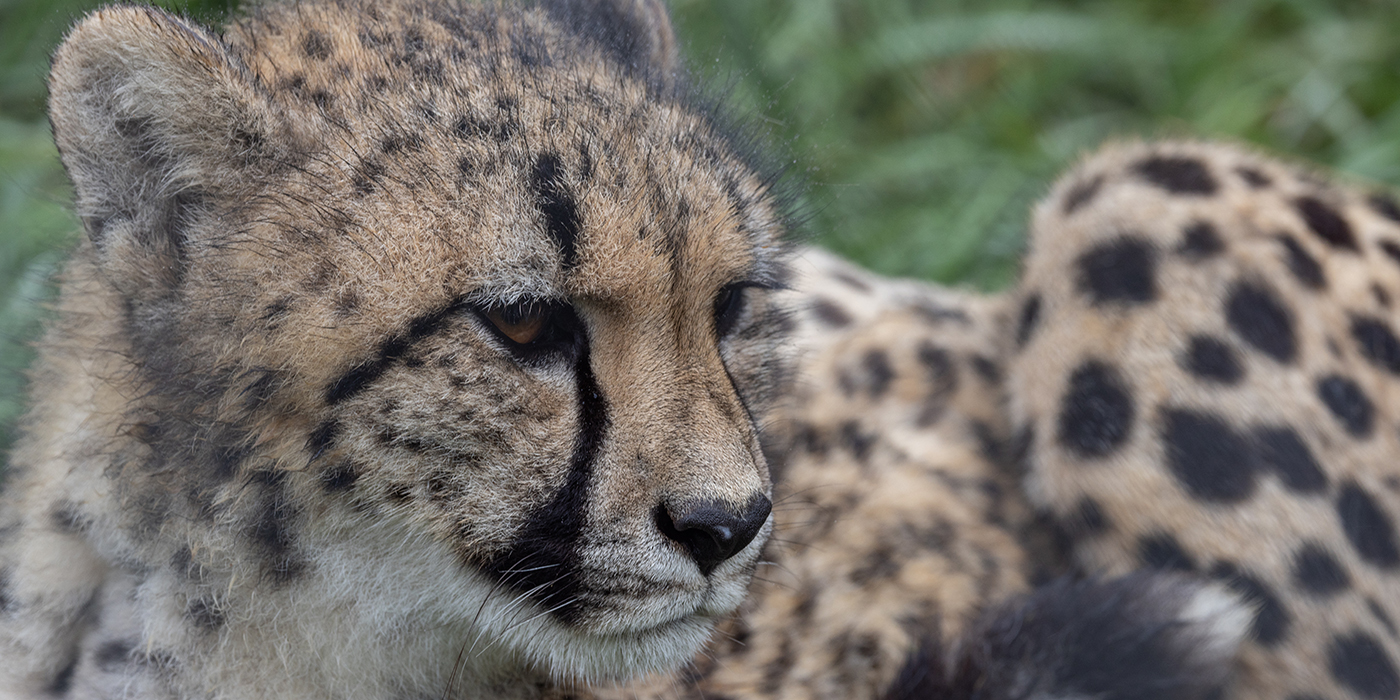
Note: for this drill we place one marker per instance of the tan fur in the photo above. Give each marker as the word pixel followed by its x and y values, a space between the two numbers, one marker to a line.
pixel 1252 536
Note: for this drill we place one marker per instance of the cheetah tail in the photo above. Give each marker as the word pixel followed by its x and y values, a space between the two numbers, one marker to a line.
pixel 1147 636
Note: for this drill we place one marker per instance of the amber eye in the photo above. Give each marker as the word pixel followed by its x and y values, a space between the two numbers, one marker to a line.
pixel 521 322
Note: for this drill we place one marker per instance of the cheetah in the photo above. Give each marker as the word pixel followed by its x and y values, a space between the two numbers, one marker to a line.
pixel 433 349
pixel 1202 373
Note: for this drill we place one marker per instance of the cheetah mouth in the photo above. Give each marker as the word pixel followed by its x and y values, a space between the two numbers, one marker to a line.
pixel 666 607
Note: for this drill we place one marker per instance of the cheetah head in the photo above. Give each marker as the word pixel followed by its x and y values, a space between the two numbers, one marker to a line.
pixel 448 323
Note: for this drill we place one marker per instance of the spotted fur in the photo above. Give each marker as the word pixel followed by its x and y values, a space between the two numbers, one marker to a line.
pixel 1207 366
pixel 276 414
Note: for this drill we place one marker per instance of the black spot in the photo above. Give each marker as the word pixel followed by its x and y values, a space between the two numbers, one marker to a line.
pixel 986 368
pixel 1177 175
pixel 1082 193
pixel 1283 450
pixel 270 529
pixel 321 438
pixel 394 143
pixel 1097 412
pixel 367 176
pixel 249 143
pixel 856 440
pixel 810 440
pixel 1384 205
pixel 1254 178
pixel 1124 270
pixel 469 127
pixel 1317 572
pixel 113 654
pixel 1368 527
pixel 7 604
pixel 261 390
pixel 1162 551
pixel 184 564
pixel 1271 618
pixel 830 314
pixel 1304 266
pixel 585 165
pixel 1211 460
pixel 205 614
pixel 1348 404
pixel 316 45
pixel 942 377
pixel 879 564
pixel 1327 223
pixel 399 493
pixel 1029 317
pixel 66 518
pixel 227 455
pixel 63 682
pixel 1200 240
pixel 878 372
pixel 1211 359
pixel 1391 249
pixel 340 477
pixel 1260 319
pixel 1382 296
pixel 413 41
pixel 1377 342
pixel 554 200
pixel 1382 617
pixel 542 561
pixel 1088 518
pixel 1360 663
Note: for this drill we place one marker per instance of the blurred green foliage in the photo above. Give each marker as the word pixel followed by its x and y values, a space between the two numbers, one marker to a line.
pixel 928 127
pixel 923 129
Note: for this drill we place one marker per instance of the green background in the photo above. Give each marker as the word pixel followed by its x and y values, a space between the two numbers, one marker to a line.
pixel 921 131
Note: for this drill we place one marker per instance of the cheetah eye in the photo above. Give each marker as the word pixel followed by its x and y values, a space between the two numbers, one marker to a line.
pixel 522 322
pixel 728 307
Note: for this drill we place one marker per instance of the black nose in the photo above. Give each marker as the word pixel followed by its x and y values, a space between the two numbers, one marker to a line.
pixel 710 530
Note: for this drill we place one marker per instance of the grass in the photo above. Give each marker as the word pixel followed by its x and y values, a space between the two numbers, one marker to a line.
pixel 923 129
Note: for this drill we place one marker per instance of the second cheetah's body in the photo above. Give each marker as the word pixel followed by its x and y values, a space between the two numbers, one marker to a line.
pixel 421 349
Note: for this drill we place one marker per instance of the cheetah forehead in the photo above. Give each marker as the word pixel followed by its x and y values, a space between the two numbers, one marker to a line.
pixel 488 134
pixel 405 154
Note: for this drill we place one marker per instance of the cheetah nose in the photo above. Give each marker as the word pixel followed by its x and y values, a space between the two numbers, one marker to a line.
pixel 710 531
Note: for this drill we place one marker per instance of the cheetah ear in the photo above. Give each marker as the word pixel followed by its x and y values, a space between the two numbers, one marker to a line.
pixel 635 33
pixel 156 121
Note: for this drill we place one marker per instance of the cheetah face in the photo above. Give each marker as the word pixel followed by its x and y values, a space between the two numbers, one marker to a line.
pixel 567 426
pixel 451 356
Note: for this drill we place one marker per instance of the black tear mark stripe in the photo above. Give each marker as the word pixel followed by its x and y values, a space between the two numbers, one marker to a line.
pixel 542 561
pixel 359 377
pixel 557 203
